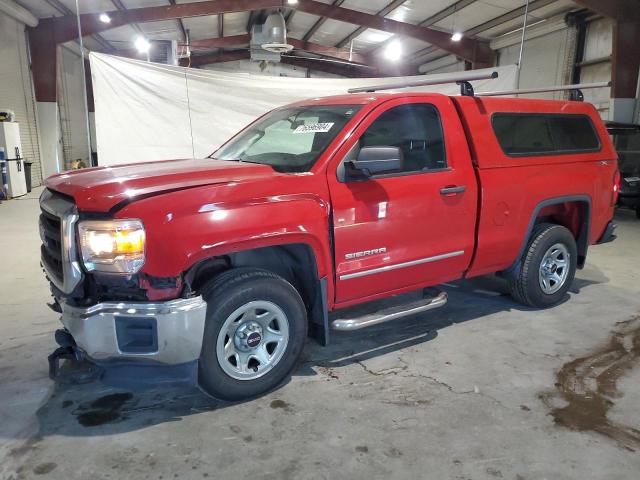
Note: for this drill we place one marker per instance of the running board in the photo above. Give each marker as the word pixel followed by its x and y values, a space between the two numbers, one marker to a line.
pixel 390 313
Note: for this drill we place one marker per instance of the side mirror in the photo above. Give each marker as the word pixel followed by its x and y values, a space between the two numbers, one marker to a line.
pixel 375 161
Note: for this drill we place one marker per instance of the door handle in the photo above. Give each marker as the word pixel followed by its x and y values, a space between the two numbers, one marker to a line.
pixel 452 190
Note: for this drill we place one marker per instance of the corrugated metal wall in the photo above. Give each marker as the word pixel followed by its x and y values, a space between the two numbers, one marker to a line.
pixel 16 89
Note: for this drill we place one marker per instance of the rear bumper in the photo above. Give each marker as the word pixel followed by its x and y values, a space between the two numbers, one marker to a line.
pixel 168 333
pixel 608 235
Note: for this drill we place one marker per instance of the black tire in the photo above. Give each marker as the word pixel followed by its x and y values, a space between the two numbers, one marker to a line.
pixel 638 212
pixel 226 293
pixel 526 288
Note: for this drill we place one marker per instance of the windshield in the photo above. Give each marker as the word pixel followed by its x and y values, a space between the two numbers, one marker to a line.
pixel 289 139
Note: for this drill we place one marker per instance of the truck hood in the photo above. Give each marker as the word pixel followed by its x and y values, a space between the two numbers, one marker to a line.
pixel 102 188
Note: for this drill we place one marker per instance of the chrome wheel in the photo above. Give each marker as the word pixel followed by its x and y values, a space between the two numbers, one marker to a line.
pixel 554 268
pixel 252 340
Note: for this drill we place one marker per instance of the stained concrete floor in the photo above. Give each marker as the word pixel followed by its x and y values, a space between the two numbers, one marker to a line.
pixel 480 389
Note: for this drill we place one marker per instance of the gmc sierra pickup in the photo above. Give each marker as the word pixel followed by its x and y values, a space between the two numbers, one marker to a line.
pixel 228 263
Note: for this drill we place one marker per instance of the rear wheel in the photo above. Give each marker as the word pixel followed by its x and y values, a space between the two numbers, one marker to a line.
pixel 548 267
pixel 254 333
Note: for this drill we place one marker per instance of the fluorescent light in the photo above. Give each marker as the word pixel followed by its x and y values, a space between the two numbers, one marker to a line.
pixel 393 51
pixel 104 18
pixel 457 36
pixel 292 2
pixel 142 44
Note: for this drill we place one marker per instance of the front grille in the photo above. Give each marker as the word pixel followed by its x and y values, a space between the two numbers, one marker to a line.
pixel 51 249
pixel 58 251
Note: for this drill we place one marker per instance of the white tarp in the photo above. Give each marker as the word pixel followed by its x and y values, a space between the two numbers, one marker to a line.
pixel 148 111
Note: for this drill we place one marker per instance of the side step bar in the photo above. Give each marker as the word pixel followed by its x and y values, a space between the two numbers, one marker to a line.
pixel 390 313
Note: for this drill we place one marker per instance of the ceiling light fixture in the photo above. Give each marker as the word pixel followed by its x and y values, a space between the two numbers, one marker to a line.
pixel 457 36
pixel 393 51
pixel 142 44
pixel 104 18
pixel 292 2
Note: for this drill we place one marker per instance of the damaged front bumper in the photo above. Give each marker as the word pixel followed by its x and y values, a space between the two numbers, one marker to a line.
pixel 168 333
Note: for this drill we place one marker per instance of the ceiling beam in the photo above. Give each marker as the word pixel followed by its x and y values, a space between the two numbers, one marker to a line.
pixel 507 17
pixel 616 9
pixel 446 12
pixel 245 39
pixel 385 11
pixel 289 17
pixel 60 7
pixel 65 27
pixel 435 18
pixel 510 15
pixel 468 49
pixel 222 57
pixel 317 64
pixel 121 8
pixel 222 42
pixel 314 28
pixel 323 66
pixel 352 71
pixel 331 52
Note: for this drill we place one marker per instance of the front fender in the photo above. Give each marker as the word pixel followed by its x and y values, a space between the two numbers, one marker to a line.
pixel 188 226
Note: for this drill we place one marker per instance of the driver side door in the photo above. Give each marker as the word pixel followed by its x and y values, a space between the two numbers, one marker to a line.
pixel 404 229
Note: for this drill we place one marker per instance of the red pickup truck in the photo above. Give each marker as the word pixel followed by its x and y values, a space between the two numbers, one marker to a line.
pixel 228 263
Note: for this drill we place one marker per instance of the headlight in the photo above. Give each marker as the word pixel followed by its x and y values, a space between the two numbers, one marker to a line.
pixel 115 246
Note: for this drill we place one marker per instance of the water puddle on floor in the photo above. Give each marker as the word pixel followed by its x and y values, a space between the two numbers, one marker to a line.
pixel 587 387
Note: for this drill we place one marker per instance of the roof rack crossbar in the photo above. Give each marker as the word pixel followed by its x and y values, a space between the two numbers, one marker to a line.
pixel 575 90
pixel 461 79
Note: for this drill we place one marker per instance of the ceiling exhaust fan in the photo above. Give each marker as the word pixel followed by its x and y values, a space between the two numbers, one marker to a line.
pixel 268 43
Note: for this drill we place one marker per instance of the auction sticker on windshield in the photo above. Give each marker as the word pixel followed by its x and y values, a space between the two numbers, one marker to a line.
pixel 314 128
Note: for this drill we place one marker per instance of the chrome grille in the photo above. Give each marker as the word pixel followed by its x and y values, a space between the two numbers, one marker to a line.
pixel 51 249
pixel 58 252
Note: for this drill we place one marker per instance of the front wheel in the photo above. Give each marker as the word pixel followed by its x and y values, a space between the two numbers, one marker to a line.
pixel 255 330
pixel 548 267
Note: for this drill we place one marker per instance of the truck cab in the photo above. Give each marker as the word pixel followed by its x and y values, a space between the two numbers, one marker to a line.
pixel 228 263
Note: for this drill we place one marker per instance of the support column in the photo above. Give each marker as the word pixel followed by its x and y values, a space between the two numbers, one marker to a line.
pixel 43 49
pixel 625 65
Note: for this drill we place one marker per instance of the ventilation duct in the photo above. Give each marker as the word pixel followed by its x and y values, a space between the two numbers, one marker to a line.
pixel 164 51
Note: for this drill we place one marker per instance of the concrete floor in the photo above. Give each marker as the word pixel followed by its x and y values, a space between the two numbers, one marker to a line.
pixel 480 389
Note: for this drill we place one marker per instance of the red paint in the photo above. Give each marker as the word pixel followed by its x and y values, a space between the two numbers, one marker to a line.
pixel 196 209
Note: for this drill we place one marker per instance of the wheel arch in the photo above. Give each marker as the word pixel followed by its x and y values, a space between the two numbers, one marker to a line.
pixel 571 211
pixel 295 262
